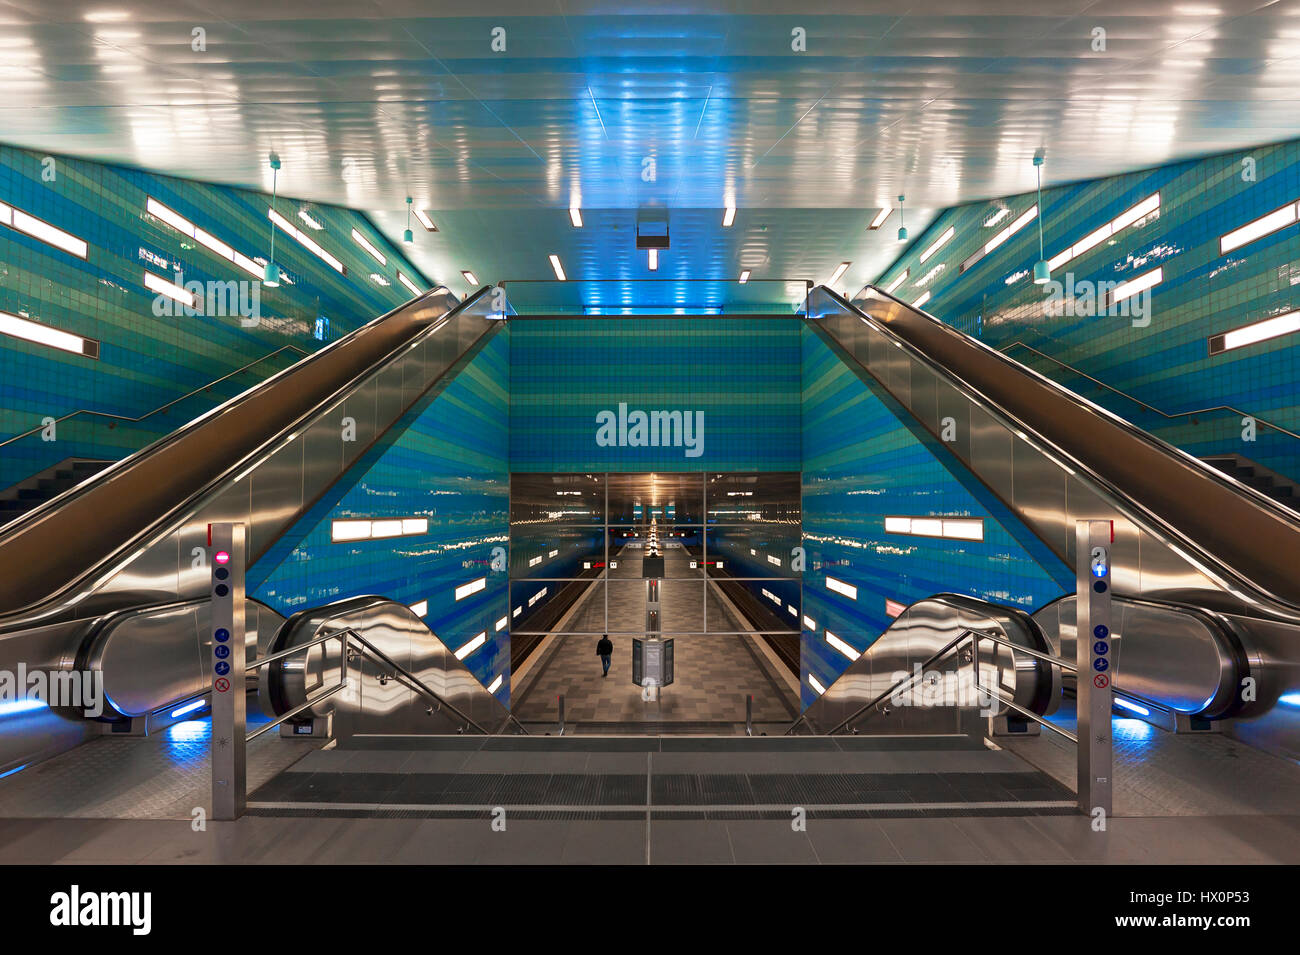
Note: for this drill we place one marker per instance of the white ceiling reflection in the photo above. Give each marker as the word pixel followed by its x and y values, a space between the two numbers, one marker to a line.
pixel 681 106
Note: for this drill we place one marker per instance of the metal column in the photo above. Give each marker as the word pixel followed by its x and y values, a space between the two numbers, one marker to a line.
pixel 1096 649
pixel 229 695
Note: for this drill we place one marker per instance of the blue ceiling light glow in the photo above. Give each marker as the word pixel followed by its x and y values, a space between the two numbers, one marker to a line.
pixel 1289 699
pixel 188 708
pixel 16 769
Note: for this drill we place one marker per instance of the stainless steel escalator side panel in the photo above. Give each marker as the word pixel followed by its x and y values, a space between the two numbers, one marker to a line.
pixel 1176 657
pixel 918 634
pixel 157 656
pixel 1172 560
pixel 151 565
pixel 376 702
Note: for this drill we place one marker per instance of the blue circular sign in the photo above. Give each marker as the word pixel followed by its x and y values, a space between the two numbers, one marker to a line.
pixel 1101 631
pixel 222 635
pixel 221 651
pixel 1101 648
pixel 222 668
pixel 1101 664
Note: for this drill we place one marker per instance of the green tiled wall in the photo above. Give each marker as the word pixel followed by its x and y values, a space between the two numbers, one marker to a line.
pixel 147 361
pixel 1166 365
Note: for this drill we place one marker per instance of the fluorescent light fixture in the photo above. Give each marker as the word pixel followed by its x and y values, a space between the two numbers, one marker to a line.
pixel 554 553
pixel 424 220
pixel 839 272
pixel 188 708
pixel 841 646
pixel 809 623
pixel 517 611
pixel 421 608
pixel 652 260
pixel 533 562
pixel 840 587
pixel 471 645
pixel 469 276
pixel 349 530
pixel 889 289
pixel 410 286
pixel 813 682
pixel 362 241
pixel 496 684
pixel 1129 705
pixel 1285 324
pixel 307 241
pixel 501 624
pixel 1132 214
pixel 880 218
pixel 171 217
pixel 555 264
pixel 473 587
pixel 952 528
pixel 1137 285
pixel 185 227
pixel 29 331
pixel 744 276
pixel 575 216
pixel 920 302
pixel 774 561
pixel 1024 220
pixel 382 529
pixel 893 608
pixel 40 229
pixel 156 283
pixel 366 529
pixel 939 243
pixel 728 217
pixel 106 16
pixel 306 217
pixel 1257 229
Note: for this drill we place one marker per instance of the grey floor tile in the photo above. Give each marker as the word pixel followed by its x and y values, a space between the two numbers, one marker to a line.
pixel 769 842
pixel 689 842
pixel 931 840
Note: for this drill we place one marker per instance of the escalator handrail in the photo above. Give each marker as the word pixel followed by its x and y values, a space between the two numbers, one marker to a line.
pixel 11 564
pixel 1249 589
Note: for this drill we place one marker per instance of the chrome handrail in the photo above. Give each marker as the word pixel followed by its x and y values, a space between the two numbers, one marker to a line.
pixel 889 692
pixel 345 637
pixel 160 408
pixel 974 637
pixel 1138 401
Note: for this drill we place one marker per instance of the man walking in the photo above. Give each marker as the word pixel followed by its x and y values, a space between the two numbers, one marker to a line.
pixel 604 649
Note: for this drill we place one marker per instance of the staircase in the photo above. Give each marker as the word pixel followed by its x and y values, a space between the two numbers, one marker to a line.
pixel 670 777
pixel 1276 486
pixel 47 484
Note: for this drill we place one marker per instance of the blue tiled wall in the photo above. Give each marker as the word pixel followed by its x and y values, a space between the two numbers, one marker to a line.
pixel 145 360
pixel 1165 364
pixel 449 465
pixel 861 464
pixel 743 373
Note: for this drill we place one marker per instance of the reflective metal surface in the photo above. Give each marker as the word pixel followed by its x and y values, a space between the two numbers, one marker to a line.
pixel 160 655
pixel 137 613
pixel 915 637
pixel 1204 568
pixel 1178 657
pixel 1054 458
pixel 377 700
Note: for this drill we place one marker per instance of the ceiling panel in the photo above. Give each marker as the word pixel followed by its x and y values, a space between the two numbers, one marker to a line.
pixel 676 105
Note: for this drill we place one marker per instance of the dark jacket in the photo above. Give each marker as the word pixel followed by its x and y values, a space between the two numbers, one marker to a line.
pixel 604 647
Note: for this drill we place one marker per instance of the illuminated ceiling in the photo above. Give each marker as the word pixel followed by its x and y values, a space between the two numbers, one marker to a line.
pixel 368 102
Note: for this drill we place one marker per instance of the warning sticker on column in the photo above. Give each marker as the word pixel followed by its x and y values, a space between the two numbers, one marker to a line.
pixel 1101 681
pixel 222 684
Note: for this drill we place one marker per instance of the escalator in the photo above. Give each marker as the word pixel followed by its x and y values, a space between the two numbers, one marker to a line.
pixel 123 552
pixel 1205 567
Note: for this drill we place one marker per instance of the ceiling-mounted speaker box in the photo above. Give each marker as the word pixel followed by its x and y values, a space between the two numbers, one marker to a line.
pixel 652 229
